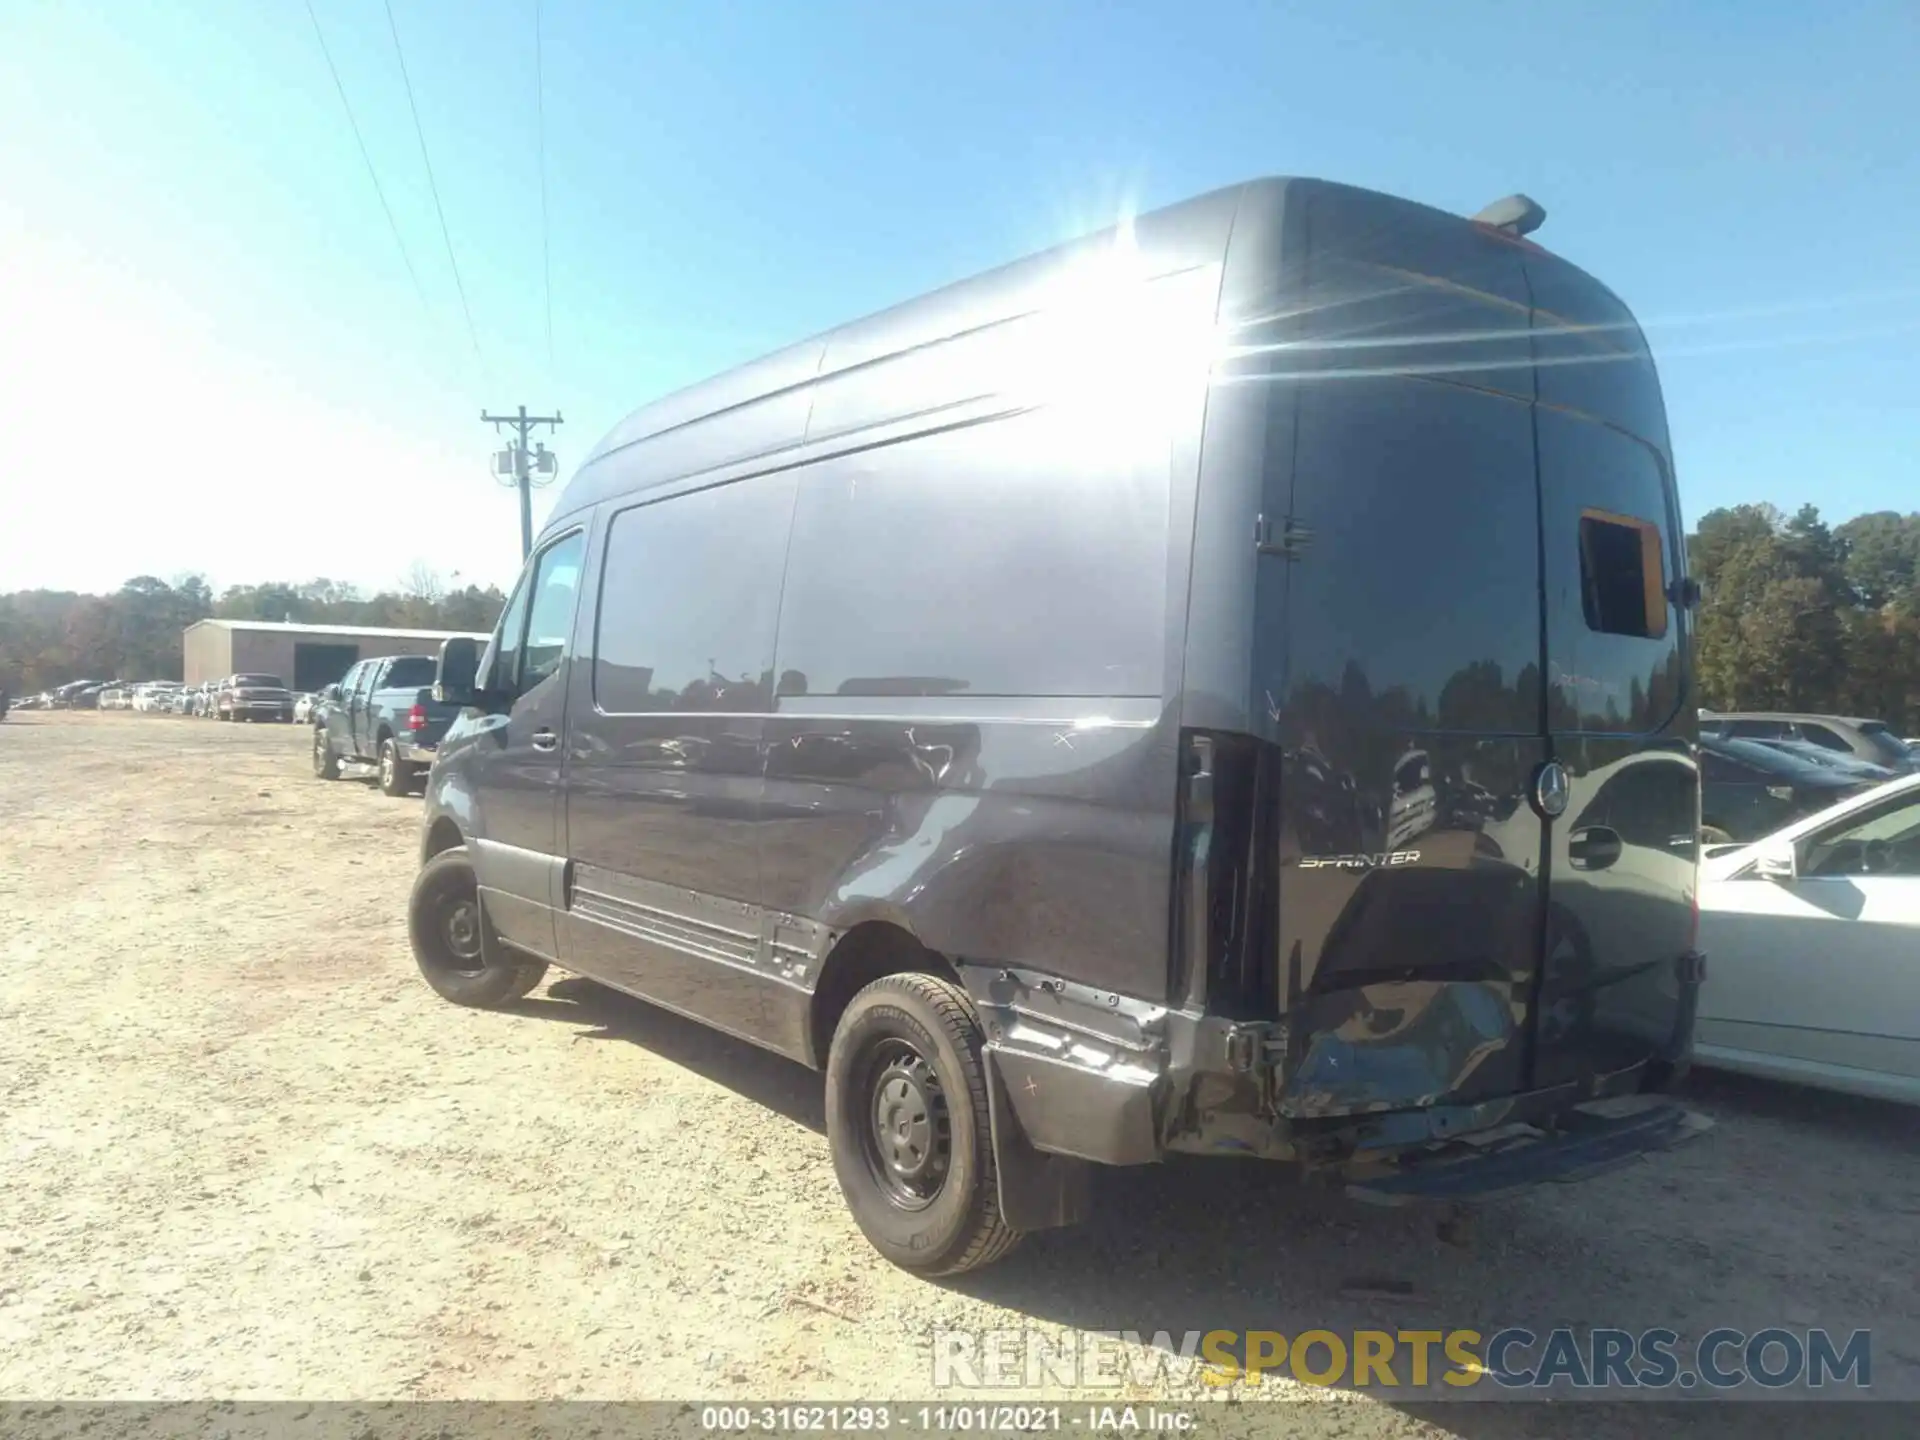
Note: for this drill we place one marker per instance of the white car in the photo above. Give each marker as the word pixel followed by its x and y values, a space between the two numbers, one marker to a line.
pixel 156 697
pixel 1812 938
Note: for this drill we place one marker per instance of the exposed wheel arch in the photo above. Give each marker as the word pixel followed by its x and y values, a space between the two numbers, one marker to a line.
pixel 862 955
pixel 443 836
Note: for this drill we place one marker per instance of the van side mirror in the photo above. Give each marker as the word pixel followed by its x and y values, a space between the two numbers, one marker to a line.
pixel 453 676
pixel 1777 860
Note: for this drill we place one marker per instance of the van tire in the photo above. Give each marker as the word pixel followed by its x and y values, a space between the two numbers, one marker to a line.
pixel 1711 834
pixel 916 1038
pixel 446 926
pixel 326 763
pixel 396 775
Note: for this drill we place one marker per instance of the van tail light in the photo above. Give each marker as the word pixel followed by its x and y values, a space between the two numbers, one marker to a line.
pixel 417 718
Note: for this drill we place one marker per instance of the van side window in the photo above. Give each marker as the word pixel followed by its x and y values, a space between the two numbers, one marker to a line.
pixel 1820 735
pixel 995 559
pixel 500 667
pixel 689 594
pixel 521 655
pixel 1623 583
pixel 556 587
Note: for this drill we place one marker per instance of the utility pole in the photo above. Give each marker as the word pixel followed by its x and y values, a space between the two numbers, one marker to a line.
pixel 517 465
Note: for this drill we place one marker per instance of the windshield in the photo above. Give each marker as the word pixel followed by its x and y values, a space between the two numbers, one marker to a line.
pixel 269 682
pixel 1766 757
pixel 1825 759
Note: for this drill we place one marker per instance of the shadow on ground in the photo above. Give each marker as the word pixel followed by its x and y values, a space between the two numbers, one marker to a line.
pixel 759 1075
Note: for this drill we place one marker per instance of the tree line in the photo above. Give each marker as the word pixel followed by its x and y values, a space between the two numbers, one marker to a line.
pixel 1797 615
pixel 48 637
pixel 1800 615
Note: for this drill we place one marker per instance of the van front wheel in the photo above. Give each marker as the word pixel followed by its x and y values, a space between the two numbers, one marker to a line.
pixel 908 1130
pixel 446 925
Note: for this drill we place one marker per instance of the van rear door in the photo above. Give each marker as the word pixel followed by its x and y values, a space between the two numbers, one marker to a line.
pixel 1621 872
pixel 1468 469
pixel 1409 706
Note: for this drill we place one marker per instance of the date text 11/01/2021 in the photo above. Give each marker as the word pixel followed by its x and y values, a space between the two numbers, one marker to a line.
pixel 944 1419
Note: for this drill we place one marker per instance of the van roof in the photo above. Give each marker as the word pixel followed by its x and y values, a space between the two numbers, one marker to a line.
pixel 1192 232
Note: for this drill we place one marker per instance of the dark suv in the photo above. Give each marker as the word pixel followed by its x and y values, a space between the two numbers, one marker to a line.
pixel 1868 740
pixel 1749 789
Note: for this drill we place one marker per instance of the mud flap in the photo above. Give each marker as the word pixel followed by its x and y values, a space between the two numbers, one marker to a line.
pixel 1038 1191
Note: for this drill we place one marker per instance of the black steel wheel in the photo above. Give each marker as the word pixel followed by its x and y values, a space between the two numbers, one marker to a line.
pixel 908 1141
pixel 447 925
pixel 908 1129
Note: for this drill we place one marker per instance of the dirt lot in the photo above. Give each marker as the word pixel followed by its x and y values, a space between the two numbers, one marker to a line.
pixel 246 1153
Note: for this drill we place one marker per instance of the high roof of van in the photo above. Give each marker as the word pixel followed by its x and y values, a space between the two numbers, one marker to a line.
pixel 771 395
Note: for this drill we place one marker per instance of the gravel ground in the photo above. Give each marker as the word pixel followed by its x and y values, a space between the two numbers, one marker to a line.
pixel 246 1153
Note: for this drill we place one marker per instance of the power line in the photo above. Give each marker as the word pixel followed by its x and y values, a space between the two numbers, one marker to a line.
pixel 540 104
pixel 420 132
pixel 360 140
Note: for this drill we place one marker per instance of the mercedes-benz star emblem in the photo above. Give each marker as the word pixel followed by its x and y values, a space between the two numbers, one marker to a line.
pixel 1550 789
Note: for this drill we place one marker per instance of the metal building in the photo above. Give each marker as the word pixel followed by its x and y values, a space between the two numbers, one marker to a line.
pixel 305 656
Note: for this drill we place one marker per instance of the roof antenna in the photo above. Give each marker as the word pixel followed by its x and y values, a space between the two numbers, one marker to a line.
pixel 1516 215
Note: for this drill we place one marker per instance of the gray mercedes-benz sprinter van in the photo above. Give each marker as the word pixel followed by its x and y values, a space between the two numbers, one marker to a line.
pixel 1220 686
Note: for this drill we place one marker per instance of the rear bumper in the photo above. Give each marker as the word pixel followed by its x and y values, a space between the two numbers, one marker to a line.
pixel 1587 1140
pixel 417 752
pixel 1096 1077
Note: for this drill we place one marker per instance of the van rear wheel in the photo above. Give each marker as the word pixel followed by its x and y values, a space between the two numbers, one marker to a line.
pixel 908 1130
pixel 446 924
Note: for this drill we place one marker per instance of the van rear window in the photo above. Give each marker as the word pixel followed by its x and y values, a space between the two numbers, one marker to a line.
pixel 1623 582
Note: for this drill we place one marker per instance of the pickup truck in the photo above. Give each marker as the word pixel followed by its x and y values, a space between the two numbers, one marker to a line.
pixel 383 711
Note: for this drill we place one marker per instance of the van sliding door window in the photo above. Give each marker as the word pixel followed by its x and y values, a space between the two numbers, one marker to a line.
pixel 688 598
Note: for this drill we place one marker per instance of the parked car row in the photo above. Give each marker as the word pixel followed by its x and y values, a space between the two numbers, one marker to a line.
pixel 235 697
pixel 1870 741
pixel 1761 772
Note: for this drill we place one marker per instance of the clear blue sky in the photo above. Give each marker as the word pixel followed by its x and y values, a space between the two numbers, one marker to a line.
pixel 213 358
